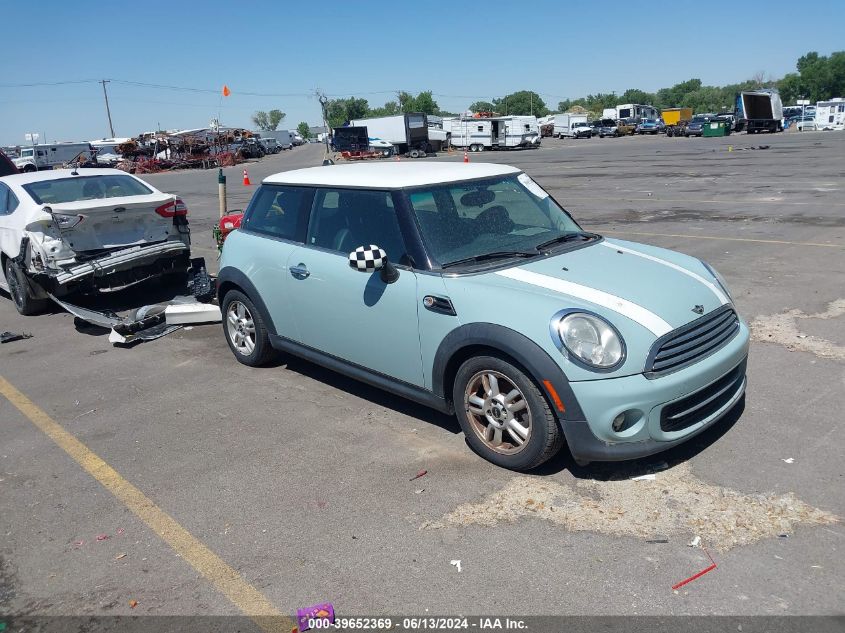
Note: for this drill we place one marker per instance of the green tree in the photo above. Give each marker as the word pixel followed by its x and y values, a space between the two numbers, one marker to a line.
pixel 304 129
pixel 482 106
pixel 521 103
pixel 391 108
pixel 424 102
pixel 634 95
pixel 340 111
pixel 268 121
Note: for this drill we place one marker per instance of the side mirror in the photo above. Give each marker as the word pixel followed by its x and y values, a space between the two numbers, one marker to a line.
pixel 368 259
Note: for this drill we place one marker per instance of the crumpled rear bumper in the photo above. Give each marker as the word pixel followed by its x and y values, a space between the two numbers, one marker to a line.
pixel 118 261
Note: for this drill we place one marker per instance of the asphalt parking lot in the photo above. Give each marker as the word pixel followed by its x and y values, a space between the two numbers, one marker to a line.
pixel 270 489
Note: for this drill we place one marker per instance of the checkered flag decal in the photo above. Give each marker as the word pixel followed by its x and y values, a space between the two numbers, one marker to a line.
pixel 367 258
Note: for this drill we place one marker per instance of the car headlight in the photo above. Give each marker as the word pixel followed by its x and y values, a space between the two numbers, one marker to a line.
pixel 719 279
pixel 591 340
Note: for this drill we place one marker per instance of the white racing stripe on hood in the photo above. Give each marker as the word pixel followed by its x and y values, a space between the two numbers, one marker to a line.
pixel 644 317
pixel 716 290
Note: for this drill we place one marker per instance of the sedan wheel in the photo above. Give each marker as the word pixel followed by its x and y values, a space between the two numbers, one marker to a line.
pixel 503 414
pixel 25 304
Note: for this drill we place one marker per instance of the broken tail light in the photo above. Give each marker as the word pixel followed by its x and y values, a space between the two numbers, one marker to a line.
pixel 173 209
pixel 64 222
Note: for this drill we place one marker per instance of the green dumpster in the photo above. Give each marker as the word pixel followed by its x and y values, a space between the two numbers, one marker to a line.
pixel 716 128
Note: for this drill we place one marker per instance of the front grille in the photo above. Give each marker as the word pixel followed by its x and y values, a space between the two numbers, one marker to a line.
pixel 692 342
pixel 703 403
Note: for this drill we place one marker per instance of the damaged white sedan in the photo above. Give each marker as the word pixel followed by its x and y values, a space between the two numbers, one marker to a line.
pixel 66 231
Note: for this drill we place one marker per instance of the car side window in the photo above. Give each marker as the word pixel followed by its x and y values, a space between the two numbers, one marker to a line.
pixel 344 219
pixel 276 211
pixel 8 200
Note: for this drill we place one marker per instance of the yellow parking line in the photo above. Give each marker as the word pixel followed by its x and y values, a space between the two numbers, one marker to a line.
pixel 228 581
pixel 731 239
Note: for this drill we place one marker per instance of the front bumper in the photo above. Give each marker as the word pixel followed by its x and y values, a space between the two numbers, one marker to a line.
pixel 601 401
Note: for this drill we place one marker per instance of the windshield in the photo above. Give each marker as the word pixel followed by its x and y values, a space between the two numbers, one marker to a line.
pixel 469 219
pixel 85 188
pixel 580 124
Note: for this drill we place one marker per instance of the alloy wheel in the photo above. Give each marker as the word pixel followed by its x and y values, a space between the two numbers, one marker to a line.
pixel 498 412
pixel 241 328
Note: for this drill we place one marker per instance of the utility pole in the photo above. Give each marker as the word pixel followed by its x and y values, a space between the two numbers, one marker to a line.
pixel 108 111
pixel 531 96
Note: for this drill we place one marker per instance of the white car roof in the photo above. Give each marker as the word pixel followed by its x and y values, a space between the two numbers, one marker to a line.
pixel 55 174
pixel 389 175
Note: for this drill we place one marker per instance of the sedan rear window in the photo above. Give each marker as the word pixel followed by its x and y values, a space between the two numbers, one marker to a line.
pixel 85 188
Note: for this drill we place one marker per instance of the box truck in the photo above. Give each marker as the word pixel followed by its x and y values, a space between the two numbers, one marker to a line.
pixel 759 111
pixel 572 125
pixel 47 156
pixel 407 132
pixel 284 138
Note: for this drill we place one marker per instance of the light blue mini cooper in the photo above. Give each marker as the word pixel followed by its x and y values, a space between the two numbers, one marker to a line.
pixel 467 288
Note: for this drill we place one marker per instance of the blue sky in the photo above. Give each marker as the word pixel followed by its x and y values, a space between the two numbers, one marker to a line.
pixel 461 51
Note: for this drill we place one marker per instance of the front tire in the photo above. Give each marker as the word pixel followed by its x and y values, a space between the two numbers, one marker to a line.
pixel 245 331
pixel 503 414
pixel 19 289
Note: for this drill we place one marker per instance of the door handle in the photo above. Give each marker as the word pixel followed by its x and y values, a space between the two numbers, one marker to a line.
pixel 300 271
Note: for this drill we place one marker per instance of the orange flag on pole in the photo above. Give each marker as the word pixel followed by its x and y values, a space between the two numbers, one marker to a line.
pixel 226 91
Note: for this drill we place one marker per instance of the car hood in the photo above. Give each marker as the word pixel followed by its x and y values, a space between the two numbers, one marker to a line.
pixel 658 289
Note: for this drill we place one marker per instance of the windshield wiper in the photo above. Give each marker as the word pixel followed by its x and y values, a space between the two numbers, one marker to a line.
pixel 567 237
pixel 486 256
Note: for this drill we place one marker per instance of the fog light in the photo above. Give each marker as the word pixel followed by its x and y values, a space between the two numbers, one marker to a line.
pixel 618 422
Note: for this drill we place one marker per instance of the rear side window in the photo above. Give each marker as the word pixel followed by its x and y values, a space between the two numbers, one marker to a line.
pixel 8 201
pixel 81 188
pixel 277 211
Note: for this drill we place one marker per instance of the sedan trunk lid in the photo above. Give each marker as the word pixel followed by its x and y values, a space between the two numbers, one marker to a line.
pixel 108 223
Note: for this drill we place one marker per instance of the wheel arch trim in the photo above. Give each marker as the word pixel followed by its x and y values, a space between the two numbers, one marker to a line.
pixel 230 277
pixel 539 365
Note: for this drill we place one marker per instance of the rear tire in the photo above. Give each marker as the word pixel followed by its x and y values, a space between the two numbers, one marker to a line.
pixel 495 417
pixel 245 331
pixel 19 290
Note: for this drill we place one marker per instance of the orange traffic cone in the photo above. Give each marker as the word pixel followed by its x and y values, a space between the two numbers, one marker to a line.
pixel 466 157
pixel 247 183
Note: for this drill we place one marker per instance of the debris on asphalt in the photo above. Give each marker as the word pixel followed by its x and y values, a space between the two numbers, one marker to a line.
pixel 102 537
pixel 784 535
pixel 722 517
pixel 783 329
pixel 9 337
pixel 789 460
pixel 133 604
pixel 698 575
pixel 657 539
pixel 78 543
pixel 694 542
pixel 89 412
pixel 120 531
pixel 422 473
pixel 419 492
pixel 648 477
pixel 323 611
pixel 119 556
pixel 153 321
pixel 456 564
